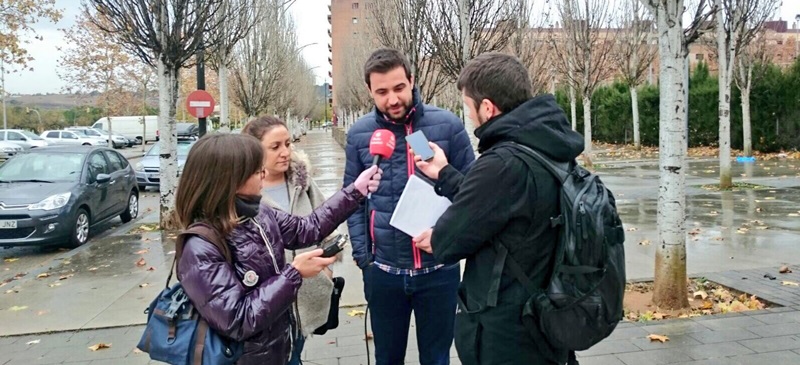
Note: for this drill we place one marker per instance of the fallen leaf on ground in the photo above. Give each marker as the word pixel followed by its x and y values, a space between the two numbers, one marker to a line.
pixel 660 338
pixel 65 277
pixel 151 268
pixel 100 346
pixel 143 285
pixel 659 315
pixel 694 232
pixel 784 270
pixel 11 259
pixel 141 262
pixel 92 268
pixel 738 306
pixel 356 312
pixel 18 308
pixel 34 342
pixel 53 285
pixel 42 275
pixel 790 283
pixel 644 242
pixel 632 229
pixel 140 252
pixel 9 291
pixel 700 293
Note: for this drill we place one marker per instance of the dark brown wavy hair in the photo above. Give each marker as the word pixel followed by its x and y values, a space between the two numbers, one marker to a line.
pixel 258 127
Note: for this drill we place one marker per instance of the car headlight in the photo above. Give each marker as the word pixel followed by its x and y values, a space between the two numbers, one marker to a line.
pixel 138 167
pixel 9 149
pixel 51 202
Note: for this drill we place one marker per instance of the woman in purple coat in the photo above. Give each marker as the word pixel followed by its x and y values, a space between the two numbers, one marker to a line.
pixel 250 300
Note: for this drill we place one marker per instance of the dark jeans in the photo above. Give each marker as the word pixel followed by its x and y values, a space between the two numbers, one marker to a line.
pixel 297 350
pixel 432 298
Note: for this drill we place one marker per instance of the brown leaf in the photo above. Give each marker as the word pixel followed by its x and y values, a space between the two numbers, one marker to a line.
pixel 707 304
pixel 659 315
pixel 784 270
pixel 65 277
pixel 151 268
pixel 100 346
pixel 660 338
pixel 141 252
pixel 694 232
pixel 141 262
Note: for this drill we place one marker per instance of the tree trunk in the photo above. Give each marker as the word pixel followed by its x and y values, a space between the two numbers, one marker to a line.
pixel 724 100
pixel 587 130
pixel 573 107
pixel 670 289
pixel 168 166
pixel 637 141
pixel 746 127
pixel 224 124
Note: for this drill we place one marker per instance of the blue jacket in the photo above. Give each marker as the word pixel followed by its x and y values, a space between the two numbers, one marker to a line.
pixel 387 244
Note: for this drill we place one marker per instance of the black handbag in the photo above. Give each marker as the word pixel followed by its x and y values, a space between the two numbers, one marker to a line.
pixel 333 313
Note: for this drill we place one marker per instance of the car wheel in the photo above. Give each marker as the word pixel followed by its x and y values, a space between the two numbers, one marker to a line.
pixel 132 210
pixel 80 230
pixel 87 144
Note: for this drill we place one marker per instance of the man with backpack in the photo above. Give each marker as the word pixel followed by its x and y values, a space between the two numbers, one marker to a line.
pixel 517 232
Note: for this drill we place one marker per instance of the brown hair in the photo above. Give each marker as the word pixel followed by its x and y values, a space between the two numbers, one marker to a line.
pixel 384 60
pixel 217 165
pixel 498 77
pixel 259 126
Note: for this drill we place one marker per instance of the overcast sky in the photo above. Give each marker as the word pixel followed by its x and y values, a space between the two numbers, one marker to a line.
pixel 312 26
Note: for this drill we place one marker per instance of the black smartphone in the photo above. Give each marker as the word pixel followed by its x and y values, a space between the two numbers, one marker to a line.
pixel 419 143
pixel 334 246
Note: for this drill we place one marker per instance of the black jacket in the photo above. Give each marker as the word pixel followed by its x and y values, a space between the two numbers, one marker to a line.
pixel 502 200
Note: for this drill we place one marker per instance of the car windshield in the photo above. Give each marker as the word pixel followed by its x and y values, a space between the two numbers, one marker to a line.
pixel 183 149
pixel 32 136
pixel 42 167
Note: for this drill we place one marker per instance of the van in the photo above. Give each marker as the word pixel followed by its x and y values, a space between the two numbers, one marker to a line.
pixel 133 126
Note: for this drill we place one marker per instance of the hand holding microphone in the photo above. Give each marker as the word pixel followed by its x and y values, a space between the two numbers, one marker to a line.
pixel 367 182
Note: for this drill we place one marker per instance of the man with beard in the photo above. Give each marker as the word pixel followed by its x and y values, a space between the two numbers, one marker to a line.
pixel 398 277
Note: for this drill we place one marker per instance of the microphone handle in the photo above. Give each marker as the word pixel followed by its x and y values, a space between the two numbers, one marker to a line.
pixel 375 160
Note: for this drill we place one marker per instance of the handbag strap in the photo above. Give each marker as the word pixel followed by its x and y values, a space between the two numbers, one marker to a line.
pixel 200 341
pixel 204 231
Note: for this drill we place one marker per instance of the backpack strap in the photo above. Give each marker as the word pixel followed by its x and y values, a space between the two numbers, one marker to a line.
pixel 560 171
pixel 204 231
pixel 516 270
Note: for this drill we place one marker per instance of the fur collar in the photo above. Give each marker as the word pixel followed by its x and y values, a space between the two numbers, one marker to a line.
pixel 299 170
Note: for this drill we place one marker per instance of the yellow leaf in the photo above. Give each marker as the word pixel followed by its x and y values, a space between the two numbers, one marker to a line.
pixel 11 259
pixel 18 308
pixel 42 275
pixel 100 346
pixel 644 242
pixel 700 293
pixel 660 338
pixel 738 306
pixel 356 312
pixel 790 283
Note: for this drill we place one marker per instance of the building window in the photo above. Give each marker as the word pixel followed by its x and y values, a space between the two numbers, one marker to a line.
pixel 355 20
pixel 354 6
pixel 780 42
pixel 699 57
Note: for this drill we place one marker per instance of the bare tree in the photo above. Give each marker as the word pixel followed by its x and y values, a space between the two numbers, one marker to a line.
pixel 673 42
pixel 738 21
pixel 403 25
pixel 237 18
pixel 635 53
pixel 529 43
pixel 751 68
pixel 581 50
pixel 351 91
pixel 164 34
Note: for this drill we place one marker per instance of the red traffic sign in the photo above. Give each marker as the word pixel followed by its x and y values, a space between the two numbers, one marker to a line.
pixel 200 104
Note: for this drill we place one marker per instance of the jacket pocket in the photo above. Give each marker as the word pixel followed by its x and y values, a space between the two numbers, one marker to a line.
pixel 467 335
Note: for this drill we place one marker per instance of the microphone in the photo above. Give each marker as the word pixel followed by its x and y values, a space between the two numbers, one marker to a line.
pixel 381 145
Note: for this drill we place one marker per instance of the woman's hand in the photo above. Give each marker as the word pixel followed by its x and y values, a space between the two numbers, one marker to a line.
pixel 368 181
pixel 309 264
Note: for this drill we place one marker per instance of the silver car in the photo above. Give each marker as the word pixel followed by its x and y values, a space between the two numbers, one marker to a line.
pixel 9 150
pixel 22 138
pixel 70 138
pixel 147 169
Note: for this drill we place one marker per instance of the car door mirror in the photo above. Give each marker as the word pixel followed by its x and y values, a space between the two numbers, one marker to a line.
pixel 102 178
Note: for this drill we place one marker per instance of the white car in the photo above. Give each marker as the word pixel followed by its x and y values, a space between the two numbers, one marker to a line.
pixel 119 141
pixel 22 138
pixel 69 138
pixel 9 150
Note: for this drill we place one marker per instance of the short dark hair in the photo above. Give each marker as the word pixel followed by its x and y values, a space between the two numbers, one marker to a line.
pixel 384 60
pixel 499 77
pixel 258 127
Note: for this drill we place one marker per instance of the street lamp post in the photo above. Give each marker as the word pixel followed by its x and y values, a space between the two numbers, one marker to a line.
pixel 29 110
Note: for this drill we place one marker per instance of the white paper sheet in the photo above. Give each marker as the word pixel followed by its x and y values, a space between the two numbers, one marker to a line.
pixel 419 207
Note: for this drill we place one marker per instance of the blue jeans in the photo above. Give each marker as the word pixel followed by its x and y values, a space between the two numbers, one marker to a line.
pixel 297 350
pixel 432 298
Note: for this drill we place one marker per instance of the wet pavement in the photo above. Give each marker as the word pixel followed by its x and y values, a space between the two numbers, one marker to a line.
pixel 746 229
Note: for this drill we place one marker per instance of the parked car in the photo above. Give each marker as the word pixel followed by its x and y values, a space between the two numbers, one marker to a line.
pixel 71 138
pixel 22 137
pixel 117 140
pixel 9 150
pixel 148 168
pixel 187 130
pixel 55 195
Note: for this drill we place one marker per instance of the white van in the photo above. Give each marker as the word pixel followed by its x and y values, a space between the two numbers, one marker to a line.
pixel 132 126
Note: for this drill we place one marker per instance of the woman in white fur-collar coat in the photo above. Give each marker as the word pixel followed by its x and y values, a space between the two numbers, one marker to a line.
pixel 288 186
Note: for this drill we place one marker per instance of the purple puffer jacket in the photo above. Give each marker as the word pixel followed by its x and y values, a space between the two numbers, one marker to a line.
pixel 257 310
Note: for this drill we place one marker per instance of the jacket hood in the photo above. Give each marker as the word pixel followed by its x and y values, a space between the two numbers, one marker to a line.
pixel 539 123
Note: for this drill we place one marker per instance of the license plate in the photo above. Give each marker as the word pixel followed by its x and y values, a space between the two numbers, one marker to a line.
pixel 152 176
pixel 8 224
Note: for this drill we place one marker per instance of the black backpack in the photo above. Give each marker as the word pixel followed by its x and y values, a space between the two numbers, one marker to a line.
pixel 582 303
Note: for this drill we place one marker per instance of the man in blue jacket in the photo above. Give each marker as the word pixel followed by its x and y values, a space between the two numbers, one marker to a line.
pixel 398 277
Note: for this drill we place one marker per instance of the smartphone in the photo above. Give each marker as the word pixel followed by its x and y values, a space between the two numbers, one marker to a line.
pixel 419 144
pixel 335 246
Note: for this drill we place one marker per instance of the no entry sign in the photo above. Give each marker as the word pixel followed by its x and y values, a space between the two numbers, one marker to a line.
pixel 200 104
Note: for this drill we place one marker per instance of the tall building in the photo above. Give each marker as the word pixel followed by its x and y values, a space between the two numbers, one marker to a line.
pixel 347 18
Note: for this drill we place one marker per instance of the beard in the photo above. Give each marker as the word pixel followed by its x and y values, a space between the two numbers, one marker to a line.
pixel 401 110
